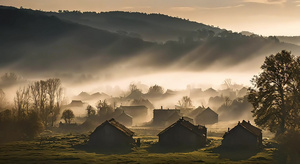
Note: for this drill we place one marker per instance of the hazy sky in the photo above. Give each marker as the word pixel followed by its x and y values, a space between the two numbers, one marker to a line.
pixel 265 17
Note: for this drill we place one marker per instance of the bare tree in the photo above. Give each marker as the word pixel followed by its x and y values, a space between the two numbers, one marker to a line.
pixel 132 87
pixel 227 101
pixel 47 96
pixel 185 102
pixel 2 99
pixel 54 91
pixel 22 101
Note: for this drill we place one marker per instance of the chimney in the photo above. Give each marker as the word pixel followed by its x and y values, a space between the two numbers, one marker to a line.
pixel 228 129
pixel 161 107
pixel 248 121
pixel 239 122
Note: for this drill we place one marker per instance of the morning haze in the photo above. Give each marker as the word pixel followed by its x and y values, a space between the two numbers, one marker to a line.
pixel 149 81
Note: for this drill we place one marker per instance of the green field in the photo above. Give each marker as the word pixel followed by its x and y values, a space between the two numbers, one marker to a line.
pixel 64 149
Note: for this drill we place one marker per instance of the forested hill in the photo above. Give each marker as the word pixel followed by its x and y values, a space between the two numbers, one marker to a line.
pixel 32 40
pixel 37 43
pixel 152 27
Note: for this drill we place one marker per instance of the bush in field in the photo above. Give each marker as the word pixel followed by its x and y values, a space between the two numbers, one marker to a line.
pixel 15 127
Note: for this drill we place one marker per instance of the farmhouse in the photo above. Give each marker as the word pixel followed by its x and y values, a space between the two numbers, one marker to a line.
pixel 183 133
pixel 206 117
pixel 124 119
pixel 161 117
pixel 243 135
pixel 76 103
pixel 173 118
pixel 111 134
pixel 134 111
pixel 196 112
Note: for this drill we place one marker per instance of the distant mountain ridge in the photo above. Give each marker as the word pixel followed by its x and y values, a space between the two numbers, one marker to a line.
pixel 290 39
pixel 152 27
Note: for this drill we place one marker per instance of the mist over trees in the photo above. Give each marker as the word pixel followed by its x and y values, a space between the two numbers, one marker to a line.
pixel 36 107
pixel 196 47
pixel 91 45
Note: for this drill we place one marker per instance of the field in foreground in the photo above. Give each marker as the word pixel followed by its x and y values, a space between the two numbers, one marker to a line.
pixel 62 149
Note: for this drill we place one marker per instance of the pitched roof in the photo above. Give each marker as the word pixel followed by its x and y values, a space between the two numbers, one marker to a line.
pixel 123 114
pixel 247 126
pixel 133 107
pixel 117 125
pixel 174 115
pixel 251 128
pixel 188 119
pixel 196 111
pixel 188 125
pixel 208 110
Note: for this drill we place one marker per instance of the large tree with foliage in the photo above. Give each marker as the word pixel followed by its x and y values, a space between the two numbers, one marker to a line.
pixel 68 115
pixel 275 94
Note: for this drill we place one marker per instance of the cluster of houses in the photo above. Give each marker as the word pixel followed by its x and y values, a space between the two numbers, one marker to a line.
pixel 111 133
pixel 165 117
pixel 180 128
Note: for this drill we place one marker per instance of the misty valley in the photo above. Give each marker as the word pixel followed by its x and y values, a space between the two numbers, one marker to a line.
pixel 131 87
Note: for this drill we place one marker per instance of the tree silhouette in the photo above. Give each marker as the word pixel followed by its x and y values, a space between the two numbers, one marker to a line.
pixel 68 115
pixel 156 90
pixel 275 94
pixel 104 108
pixel 185 102
pixel 90 111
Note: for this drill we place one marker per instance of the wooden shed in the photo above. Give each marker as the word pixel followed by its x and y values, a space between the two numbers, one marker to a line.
pixel 208 116
pixel 183 133
pixel 111 134
pixel 243 135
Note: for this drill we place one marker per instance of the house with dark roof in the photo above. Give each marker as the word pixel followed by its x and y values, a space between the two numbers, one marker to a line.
pixel 135 112
pixel 76 103
pixel 243 135
pixel 183 133
pixel 196 111
pixel 188 119
pixel 208 116
pixel 163 117
pixel 173 118
pixel 111 134
pixel 124 119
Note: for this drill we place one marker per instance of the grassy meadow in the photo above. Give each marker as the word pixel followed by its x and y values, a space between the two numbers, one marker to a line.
pixel 66 148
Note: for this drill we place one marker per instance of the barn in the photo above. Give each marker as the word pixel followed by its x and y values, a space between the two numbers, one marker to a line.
pixel 111 134
pixel 243 135
pixel 208 116
pixel 183 133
